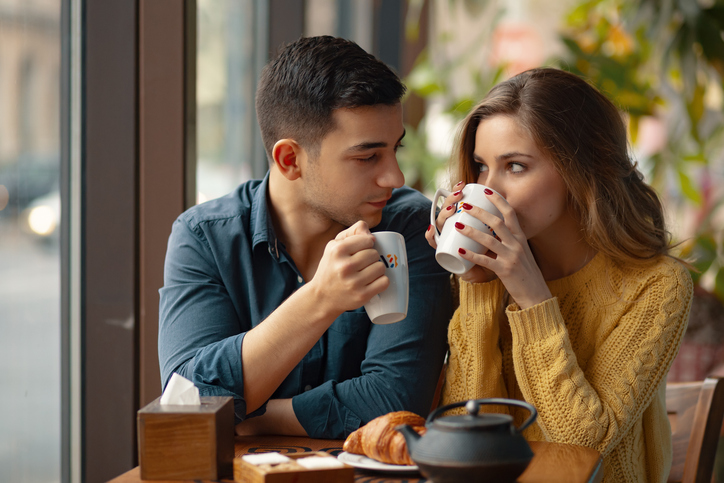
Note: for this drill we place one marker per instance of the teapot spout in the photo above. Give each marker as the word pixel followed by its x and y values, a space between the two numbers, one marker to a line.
pixel 411 436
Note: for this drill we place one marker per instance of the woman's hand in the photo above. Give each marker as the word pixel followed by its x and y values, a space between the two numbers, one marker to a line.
pixel 447 210
pixel 477 274
pixel 509 255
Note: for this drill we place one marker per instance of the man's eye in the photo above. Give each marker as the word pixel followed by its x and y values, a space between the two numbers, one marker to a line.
pixel 368 159
pixel 399 146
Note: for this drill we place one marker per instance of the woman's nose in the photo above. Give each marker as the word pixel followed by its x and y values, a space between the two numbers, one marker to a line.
pixel 491 182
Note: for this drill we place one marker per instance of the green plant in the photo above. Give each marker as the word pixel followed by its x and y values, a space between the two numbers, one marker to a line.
pixel 664 58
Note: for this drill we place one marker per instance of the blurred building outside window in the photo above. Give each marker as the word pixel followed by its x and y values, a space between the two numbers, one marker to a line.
pixel 30 425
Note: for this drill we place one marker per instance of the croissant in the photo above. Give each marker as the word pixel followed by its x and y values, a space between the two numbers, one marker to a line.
pixel 379 440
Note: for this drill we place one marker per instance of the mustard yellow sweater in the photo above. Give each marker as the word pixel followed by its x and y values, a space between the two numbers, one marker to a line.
pixel 592 360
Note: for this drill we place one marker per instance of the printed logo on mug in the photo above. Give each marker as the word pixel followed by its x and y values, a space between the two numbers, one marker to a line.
pixel 390 260
pixel 391 305
pixel 450 240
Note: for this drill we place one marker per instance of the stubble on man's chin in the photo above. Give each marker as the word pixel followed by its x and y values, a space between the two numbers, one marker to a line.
pixel 321 211
pixel 345 220
pixel 325 215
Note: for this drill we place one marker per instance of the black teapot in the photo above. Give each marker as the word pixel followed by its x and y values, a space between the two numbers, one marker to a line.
pixel 472 447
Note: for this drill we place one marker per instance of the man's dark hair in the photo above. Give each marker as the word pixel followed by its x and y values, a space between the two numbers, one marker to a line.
pixel 312 77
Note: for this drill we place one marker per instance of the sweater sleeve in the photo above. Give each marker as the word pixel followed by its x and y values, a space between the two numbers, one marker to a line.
pixel 475 362
pixel 597 406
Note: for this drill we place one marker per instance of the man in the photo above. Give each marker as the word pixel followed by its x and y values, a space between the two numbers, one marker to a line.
pixel 264 288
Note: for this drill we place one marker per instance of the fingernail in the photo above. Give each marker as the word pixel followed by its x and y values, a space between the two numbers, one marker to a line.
pixel 467 206
pixel 459 225
pixel 457 193
pixel 488 191
pixel 428 227
pixel 459 183
pixel 449 208
pixel 461 251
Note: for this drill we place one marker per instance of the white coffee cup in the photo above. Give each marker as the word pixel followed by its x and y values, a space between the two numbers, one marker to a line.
pixel 450 240
pixel 391 305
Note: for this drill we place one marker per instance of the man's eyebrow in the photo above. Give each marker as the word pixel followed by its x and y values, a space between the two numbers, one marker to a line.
pixel 372 145
pixel 505 156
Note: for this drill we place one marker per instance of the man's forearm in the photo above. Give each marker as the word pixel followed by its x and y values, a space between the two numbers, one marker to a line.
pixel 279 418
pixel 271 350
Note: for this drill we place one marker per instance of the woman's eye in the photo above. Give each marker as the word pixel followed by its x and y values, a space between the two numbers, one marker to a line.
pixel 516 168
pixel 483 168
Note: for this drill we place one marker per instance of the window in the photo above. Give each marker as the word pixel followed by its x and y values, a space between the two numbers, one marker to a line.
pixel 29 241
pixel 228 64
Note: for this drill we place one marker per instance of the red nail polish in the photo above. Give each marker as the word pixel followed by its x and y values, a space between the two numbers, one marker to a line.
pixel 459 183
pixel 459 225
pixel 488 191
pixel 461 251
pixel 467 206
pixel 449 208
pixel 428 227
pixel 457 193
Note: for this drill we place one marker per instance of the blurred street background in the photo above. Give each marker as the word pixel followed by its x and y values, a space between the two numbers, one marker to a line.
pixel 30 357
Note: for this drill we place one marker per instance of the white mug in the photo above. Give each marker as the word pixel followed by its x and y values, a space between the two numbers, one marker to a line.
pixel 391 305
pixel 450 240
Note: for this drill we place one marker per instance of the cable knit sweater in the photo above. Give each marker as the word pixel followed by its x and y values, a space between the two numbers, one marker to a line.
pixel 592 360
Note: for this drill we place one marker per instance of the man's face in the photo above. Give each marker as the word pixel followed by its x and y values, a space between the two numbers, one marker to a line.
pixel 353 176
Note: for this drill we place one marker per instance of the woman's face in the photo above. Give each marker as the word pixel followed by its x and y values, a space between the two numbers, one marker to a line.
pixel 511 163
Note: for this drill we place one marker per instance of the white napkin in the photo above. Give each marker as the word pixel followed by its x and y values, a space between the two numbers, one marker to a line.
pixel 180 390
pixel 317 462
pixel 266 459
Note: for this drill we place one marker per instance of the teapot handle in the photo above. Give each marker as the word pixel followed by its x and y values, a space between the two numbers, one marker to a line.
pixel 475 406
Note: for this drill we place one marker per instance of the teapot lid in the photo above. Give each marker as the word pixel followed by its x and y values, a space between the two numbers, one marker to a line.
pixel 483 422
pixel 473 420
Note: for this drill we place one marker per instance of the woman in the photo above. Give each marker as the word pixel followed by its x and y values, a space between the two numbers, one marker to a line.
pixel 577 307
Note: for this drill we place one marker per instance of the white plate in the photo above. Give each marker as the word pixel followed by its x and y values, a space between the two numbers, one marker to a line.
pixel 365 463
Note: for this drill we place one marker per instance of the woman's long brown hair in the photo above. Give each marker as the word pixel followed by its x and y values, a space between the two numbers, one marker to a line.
pixel 583 134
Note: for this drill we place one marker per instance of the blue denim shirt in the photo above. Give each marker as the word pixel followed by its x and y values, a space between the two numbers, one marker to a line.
pixel 226 271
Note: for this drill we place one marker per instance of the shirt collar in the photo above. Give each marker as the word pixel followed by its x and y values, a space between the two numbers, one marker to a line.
pixel 260 221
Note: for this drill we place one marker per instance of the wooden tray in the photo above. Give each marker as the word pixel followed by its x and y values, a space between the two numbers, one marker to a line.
pixel 245 472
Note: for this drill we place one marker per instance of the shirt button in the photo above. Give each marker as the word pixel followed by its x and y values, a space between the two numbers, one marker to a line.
pixel 307 387
pixel 300 279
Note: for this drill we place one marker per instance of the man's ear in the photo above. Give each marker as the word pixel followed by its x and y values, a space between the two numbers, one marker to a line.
pixel 287 154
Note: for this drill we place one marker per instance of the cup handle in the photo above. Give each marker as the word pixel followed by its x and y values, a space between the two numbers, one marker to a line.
pixel 440 192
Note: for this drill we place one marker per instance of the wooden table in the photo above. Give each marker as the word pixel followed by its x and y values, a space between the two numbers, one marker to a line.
pixel 552 462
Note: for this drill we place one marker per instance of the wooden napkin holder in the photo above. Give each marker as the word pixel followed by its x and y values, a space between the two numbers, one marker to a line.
pixel 245 472
pixel 179 442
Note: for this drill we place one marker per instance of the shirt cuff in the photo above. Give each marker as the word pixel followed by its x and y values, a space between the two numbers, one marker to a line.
pixel 535 323
pixel 239 402
pixel 217 371
pixel 322 415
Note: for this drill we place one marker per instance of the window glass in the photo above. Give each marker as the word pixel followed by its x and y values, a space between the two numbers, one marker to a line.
pixel 29 241
pixel 225 86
